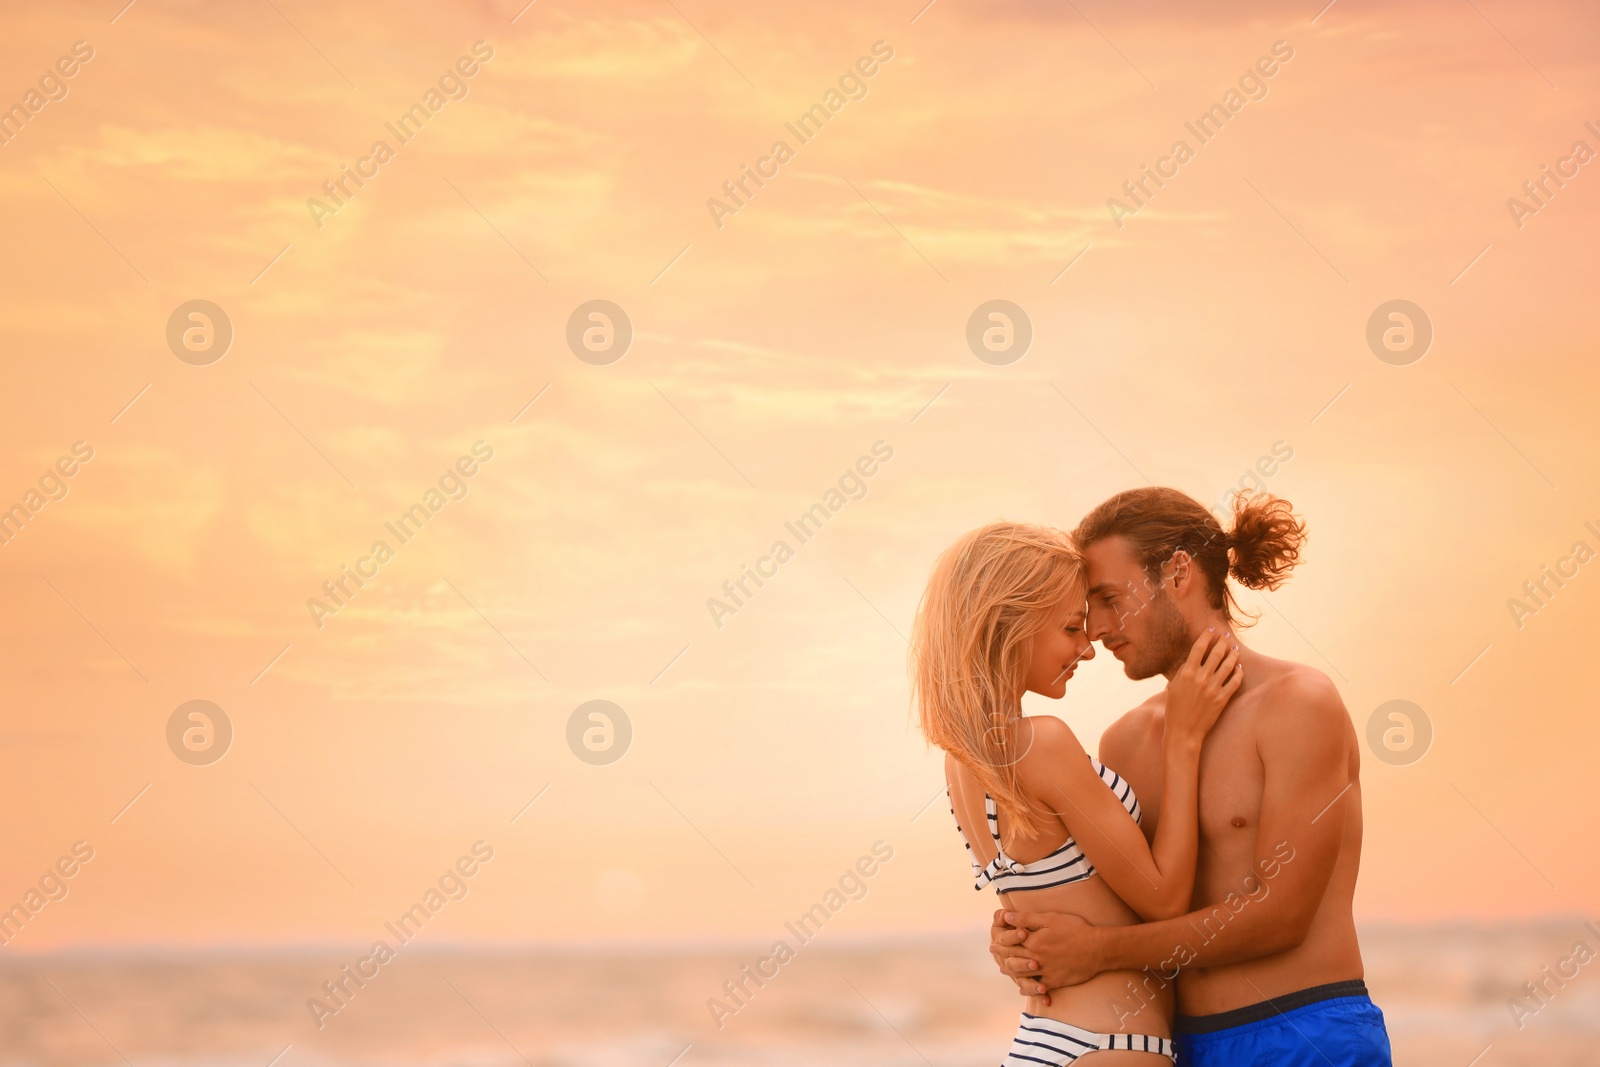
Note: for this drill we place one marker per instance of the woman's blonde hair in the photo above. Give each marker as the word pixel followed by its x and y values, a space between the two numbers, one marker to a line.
pixel 989 595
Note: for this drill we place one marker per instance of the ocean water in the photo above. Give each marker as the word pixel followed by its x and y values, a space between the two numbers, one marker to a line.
pixel 911 1002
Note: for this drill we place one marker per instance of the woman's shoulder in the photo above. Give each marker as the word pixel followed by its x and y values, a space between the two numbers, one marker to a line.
pixel 1048 741
pixel 1048 730
pixel 1046 744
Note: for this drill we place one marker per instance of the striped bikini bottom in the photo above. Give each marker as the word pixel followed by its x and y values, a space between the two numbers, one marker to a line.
pixel 1055 1044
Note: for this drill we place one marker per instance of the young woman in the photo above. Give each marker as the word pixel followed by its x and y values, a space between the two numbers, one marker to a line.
pixel 1047 826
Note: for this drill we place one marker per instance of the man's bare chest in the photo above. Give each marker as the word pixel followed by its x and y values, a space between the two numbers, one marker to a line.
pixel 1231 784
pixel 1231 779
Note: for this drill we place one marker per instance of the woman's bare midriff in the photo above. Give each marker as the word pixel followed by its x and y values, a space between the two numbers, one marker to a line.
pixel 1112 1002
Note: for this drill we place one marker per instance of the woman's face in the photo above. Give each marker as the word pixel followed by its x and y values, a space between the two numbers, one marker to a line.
pixel 1058 649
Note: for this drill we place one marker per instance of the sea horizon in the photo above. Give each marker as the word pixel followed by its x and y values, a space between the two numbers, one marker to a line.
pixel 1446 989
pixel 690 943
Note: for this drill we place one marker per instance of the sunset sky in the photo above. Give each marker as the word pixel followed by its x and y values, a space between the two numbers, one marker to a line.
pixel 772 347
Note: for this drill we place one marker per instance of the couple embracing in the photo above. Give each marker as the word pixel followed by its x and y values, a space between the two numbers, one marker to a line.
pixel 1187 895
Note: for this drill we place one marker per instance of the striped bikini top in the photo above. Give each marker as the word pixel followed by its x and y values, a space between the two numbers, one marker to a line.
pixel 1064 866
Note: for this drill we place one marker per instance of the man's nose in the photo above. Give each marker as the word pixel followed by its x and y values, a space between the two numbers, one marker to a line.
pixel 1098 624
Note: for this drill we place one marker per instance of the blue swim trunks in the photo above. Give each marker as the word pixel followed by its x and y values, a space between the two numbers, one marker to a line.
pixel 1334 1025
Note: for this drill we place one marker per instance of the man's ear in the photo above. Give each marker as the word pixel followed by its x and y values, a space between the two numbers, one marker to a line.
pixel 1181 568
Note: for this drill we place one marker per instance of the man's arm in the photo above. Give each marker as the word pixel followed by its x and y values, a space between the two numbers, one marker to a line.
pixel 1305 757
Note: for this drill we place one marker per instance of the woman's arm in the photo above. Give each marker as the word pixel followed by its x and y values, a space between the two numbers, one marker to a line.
pixel 1155 880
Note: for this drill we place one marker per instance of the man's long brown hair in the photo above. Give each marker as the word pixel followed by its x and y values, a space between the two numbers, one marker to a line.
pixel 1258 552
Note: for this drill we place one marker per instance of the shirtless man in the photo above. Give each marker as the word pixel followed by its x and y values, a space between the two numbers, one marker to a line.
pixel 1271 971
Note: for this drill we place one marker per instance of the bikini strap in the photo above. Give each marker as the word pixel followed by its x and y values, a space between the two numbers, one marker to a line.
pixel 1001 862
pixel 993 812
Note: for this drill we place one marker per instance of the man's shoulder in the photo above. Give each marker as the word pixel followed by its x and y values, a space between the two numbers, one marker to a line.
pixel 1298 685
pixel 1136 728
pixel 1144 715
pixel 1299 701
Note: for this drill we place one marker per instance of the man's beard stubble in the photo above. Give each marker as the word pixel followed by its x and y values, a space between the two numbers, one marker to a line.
pixel 1166 644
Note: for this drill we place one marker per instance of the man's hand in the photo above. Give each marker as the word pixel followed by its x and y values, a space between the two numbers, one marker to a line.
pixel 1045 950
pixel 1005 943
